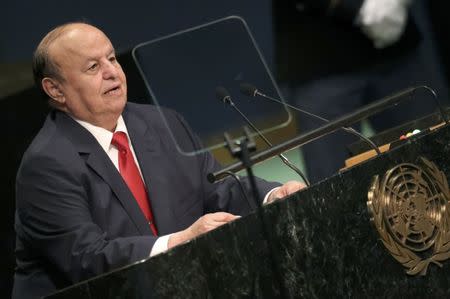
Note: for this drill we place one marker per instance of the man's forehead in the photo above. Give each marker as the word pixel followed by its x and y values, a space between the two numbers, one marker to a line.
pixel 88 42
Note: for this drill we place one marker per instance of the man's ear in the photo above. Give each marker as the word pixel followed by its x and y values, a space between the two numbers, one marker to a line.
pixel 53 90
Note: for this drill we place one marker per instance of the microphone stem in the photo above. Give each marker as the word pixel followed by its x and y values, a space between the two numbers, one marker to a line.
pixel 347 129
pixel 260 134
pixel 441 109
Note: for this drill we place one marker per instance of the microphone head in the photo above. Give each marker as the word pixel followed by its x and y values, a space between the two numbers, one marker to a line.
pixel 223 95
pixel 248 89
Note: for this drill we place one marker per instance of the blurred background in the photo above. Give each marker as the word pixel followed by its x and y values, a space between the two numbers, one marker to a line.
pixel 326 60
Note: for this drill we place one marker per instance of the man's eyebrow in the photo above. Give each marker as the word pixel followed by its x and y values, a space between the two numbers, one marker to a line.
pixel 94 58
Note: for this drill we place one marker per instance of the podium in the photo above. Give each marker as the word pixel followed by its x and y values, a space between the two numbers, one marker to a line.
pixel 324 241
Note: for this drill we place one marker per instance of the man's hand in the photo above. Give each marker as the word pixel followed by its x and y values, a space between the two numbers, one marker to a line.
pixel 202 225
pixel 285 190
pixel 383 21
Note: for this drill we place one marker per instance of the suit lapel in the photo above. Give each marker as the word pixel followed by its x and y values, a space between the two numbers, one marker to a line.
pixel 98 161
pixel 147 146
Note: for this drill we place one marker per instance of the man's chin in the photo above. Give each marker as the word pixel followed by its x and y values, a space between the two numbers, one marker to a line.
pixel 120 98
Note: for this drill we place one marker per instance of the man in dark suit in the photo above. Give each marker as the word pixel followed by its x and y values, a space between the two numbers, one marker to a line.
pixel 77 212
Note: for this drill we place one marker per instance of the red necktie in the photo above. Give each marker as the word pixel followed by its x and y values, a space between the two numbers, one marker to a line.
pixel 130 173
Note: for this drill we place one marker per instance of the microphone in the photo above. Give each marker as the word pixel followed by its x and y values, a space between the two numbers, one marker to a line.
pixel 251 91
pixel 336 124
pixel 223 95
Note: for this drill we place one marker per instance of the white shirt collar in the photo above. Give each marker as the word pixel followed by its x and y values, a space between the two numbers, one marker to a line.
pixel 102 135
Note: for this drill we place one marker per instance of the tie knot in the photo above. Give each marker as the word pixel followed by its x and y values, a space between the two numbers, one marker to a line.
pixel 120 141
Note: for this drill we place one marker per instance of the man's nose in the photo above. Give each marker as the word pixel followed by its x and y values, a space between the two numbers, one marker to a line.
pixel 110 70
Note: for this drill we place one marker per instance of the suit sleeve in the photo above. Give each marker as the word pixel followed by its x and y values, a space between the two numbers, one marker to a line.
pixel 54 221
pixel 225 195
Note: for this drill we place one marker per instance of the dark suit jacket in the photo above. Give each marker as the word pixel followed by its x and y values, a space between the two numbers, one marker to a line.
pixel 75 216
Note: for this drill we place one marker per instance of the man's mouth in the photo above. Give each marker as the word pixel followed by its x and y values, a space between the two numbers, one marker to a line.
pixel 113 91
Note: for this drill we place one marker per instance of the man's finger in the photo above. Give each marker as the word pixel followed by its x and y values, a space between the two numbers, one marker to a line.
pixel 223 217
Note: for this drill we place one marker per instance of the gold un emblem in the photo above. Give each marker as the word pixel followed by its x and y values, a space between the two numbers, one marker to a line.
pixel 410 210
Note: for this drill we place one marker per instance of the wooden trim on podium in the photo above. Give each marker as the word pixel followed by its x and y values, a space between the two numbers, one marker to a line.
pixel 371 153
pixel 365 156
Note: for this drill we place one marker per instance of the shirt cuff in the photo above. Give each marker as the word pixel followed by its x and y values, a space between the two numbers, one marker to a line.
pixel 160 246
pixel 266 198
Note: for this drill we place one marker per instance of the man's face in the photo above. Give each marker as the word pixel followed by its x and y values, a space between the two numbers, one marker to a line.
pixel 94 88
